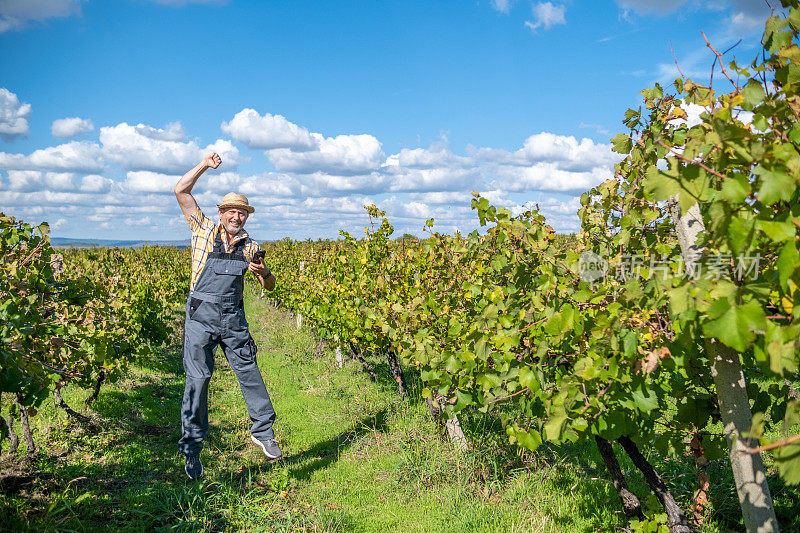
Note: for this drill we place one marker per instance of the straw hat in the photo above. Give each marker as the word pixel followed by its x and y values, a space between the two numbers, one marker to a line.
pixel 233 199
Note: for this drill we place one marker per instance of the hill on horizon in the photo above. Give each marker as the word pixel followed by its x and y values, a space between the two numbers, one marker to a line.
pixel 63 242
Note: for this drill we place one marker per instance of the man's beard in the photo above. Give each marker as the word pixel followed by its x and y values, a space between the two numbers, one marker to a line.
pixel 230 228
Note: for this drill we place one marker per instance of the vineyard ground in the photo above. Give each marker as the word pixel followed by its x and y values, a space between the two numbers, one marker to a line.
pixel 357 458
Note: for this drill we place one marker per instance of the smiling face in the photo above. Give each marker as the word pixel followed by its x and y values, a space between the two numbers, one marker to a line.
pixel 233 219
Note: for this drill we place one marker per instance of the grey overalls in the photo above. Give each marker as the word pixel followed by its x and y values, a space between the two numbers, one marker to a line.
pixel 215 315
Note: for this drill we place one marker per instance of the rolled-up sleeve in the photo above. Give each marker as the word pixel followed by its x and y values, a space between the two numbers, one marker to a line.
pixel 198 222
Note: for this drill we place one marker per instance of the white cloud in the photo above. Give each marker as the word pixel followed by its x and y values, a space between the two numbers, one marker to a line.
pixel 226 151
pixel 148 181
pixel 442 197
pixel 142 147
pixel 546 15
pixel 322 183
pixel 75 156
pixel 311 193
pixel 271 187
pixel 749 16
pixel 34 180
pixel 744 17
pixel 95 184
pixel 693 112
pixel 50 200
pixel 70 127
pixel 548 162
pixel 568 152
pixel 212 187
pixel 337 205
pixel 173 131
pixel 134 147
pixel 99 217
pixel 431 169
pixel 140 221
pixel 60 223
pixel 549 177
pixel 749 12
pixel 410 216
pixel 435 156
pixel 267 132
pixel 15 14
pixel 343 154
pixel 561 214
pixel 292 148
pixel 263 185
pixel 560 207
pixel 435 179
pixel 221 183
pixel 503 6
pixel 498 197
pixel 13 115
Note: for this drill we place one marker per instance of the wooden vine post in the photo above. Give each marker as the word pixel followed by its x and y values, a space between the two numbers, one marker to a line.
pixel 338 352
pixel 299 315
pixel 729 380
pixel 451 426
pixel 455 433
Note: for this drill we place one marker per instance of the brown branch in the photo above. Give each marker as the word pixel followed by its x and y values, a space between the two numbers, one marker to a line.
pixel 602 392
pixel 693 162
pixel 533 324
pixel 69 410
pixel 721 64
pixel 784 442
pixel 24 261
pixel 509 396
pixel 101 377
pixel 676 61
pixel 51 368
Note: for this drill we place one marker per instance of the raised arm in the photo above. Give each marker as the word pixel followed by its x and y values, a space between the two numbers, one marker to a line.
pixel 183 189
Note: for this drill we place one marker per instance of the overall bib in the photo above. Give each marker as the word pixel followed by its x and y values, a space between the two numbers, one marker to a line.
pixel 215 316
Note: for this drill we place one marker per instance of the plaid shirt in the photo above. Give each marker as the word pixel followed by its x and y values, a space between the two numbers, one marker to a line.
pixel 203 232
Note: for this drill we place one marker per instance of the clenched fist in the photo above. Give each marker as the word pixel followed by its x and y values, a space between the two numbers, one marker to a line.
pixel 212 160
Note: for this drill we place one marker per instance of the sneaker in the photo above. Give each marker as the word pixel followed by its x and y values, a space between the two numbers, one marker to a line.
pixel 269 447
pixel 193 468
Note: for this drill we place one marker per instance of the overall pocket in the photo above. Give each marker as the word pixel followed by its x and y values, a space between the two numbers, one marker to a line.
pixel 251 344
pixel 194 304
pixel 230 268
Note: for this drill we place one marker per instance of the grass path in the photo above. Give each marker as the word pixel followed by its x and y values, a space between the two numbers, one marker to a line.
pixel 356 458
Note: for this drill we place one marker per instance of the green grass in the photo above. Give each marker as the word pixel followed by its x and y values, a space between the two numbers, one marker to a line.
pixel 356 458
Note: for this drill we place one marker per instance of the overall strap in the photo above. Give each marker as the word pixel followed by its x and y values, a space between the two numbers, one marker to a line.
pixel 218 251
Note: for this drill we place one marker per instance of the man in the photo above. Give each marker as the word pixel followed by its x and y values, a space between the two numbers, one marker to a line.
pixel 221 254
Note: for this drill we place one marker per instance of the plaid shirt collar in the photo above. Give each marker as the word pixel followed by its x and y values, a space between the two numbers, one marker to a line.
pixel 223 235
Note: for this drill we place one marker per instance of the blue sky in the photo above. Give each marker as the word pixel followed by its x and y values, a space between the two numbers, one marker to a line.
pixel 320 107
